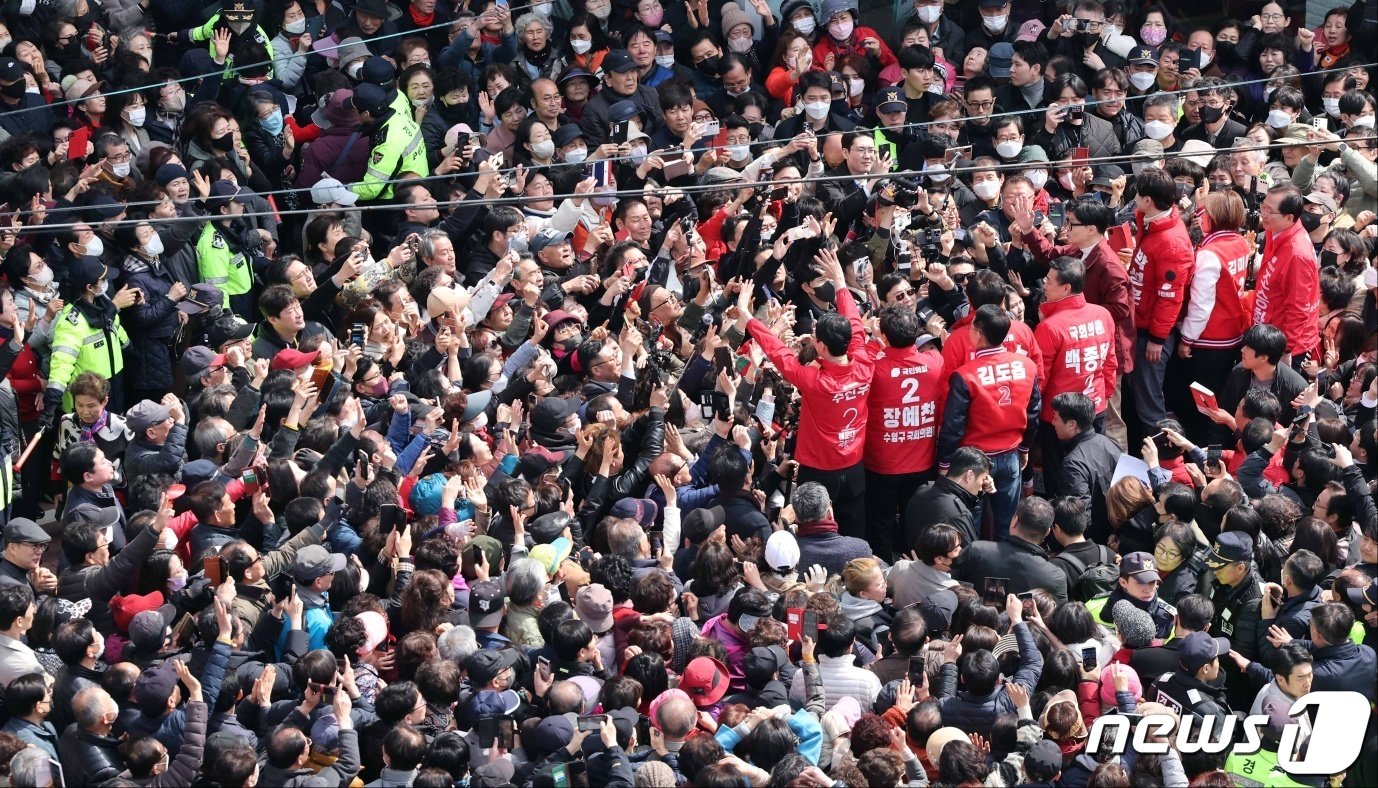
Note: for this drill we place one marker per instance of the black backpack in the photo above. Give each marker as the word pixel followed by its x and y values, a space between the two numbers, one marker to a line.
pixel 1089 582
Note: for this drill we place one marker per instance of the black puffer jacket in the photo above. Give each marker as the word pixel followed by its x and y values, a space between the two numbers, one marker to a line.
pixel 151 323
pixel 99 583
pixel 88 759
pixel 943 501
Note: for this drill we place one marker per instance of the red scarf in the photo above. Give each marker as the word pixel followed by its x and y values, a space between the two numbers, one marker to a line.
pixel 422 20
pixel 817 528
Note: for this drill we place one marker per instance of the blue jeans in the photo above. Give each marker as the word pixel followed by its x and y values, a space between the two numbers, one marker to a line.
pixel 1008 487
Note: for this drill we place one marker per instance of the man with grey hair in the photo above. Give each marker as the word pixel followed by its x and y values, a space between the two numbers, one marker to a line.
pixel 30 767
pixel 525 582
pixel 88 750
pixel 457 644
pixel 816 530
pixel 1246 164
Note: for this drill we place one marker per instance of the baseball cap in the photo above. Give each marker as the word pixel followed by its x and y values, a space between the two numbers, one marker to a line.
pixel 1322 199
pixel 155 685
pixel 705 680
pixel 199 359
pixel 618 61
pixel 1030 154
pixel 328 190
pixel 623 110
pixel 291 358
pixel 484 665
pixel 1198 649
pixel 377 71
pixel 782 552
pixel 1357 597
pixel 148 629
pixel 124 607
pixel 145 414
pixel 576 73
pixel 1043 761
pixel 551 412
pixel 566 134
pixel 546 237
pixel 369 98
pixel 698 524
pixel 548 527
pixel 314 561
pixel 1105 175
pixel 85 270
pixel 891 100
pixel 835 82
pixel 763 662
pixel 228 329
pixel 222 192
pixel 486 600
pixel 594 604
pixel 1031 30
pixel 1140 566
pixel 25 531
pixel 201 298
pixel 1000 58
pixel 1143 56
pixel 1230 547
pixel 937 610
pixel 336 110
pixel 643 510
pixel 103 516
pixel 11 70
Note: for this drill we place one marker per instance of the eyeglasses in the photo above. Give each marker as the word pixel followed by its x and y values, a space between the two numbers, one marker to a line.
pixel 1168 553
pixel 1272 17
pixel 981 104
pixel 904 294
pixel 1070 225
pixel 37 547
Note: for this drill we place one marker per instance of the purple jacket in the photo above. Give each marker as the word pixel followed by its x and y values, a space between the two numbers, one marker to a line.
pixel 717 628
pixel 320 156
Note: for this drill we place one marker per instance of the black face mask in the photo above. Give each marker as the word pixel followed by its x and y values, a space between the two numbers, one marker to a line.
pixel 709 65
pixel 16 90
pixel 1225 52
pixel 825 292
pixel 1311 221
pixel 755 130
pixel 1329 258
pixel 1211 114
pixel 224 142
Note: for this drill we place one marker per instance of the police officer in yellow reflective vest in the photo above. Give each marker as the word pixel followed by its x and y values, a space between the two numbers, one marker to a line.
pixel 228 246
pixel 87 337
pixel 396 146
pixel 236 16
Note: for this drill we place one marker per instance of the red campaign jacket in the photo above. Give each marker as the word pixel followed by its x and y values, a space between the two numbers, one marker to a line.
pixel 992 404
pixel 832 414
pixel 1077 342
pixel 1159 272
pixel 1288 288
pixel 889 64
pixel 906 407
pixel 957 348
pixel 1216 316
pixel 1107 285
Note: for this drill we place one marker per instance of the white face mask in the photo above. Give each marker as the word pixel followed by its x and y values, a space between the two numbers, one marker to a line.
pixel 816 110
pixel 354 69
pixel 856 86
pixel 1331 106
pixel 580 46
pixel 1143 80
pixel 1278 119
pixel 996 23
pixel 638 154
pixel 1066 180
pixel 576 155
pixel 937 173
pixel 1039 178
pixel 121 170
pixel 1157 129
pixel 96 247
pixel 1370 277
pixel 43 278
pixel 154 247
pixel 668 61
pixel 1364 120
pixel 296 28
pixel 543 150
pixel 986 190
pixel 32 89
pixel 104 287
pixel 1009 148
pixel 1206 58
pixel 601 12
pixel 739 152
pixel 929 14
pixel 137 115
pixel 740 45
pixel 543 9
pixel 805 25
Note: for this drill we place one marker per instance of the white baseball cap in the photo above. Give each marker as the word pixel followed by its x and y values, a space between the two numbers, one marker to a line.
pixel 330 190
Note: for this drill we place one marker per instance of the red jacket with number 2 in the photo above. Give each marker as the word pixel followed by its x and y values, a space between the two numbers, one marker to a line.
pixel 832 411
pixel 906 406
pixel 992 404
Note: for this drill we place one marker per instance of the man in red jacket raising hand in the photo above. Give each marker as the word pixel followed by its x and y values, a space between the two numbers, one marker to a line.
pixel 992 404
pixel 832 411
pixel 1159 274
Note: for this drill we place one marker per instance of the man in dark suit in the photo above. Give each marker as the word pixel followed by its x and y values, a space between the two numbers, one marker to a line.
pixel 848 197
pixel 1018 558
pixel 1216 127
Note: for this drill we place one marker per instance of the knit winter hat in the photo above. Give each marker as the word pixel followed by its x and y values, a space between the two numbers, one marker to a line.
pixel 1135 626
pixel 733 15
pixel 654 774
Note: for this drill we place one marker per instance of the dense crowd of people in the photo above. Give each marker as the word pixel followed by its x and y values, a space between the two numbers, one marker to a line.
pixel 717 393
